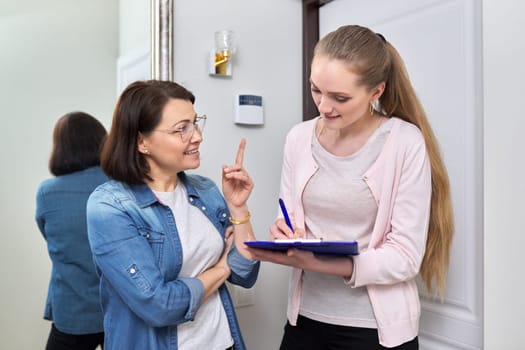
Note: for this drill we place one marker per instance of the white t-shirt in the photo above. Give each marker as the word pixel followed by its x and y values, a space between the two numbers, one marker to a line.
pixel 202 247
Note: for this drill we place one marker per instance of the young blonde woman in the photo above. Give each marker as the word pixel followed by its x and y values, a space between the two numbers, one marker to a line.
pixel 367 169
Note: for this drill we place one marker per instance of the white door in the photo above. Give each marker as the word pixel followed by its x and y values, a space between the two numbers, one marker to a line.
pixel 440 42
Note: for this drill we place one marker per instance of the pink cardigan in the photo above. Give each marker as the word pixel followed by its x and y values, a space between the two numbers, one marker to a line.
pixel 401 185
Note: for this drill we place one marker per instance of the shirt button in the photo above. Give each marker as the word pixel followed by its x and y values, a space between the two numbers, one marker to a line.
pixel 132 270
pixel 203 208
pixel 223 215
pixel 191 199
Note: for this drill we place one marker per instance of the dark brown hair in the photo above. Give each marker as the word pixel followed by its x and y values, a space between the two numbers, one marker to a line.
pixel 138 110
pixel 375 60
pixel 77 140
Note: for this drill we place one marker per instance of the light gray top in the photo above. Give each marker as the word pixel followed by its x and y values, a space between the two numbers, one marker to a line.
pixel 201 248
pixel 340 207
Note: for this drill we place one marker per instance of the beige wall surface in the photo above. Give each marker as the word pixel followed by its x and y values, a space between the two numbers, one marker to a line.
pixel 267 63
pixel 55 56
pixel 504 171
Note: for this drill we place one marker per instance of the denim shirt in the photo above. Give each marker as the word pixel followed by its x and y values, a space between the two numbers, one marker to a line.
pixel 73 301
pixel 138 254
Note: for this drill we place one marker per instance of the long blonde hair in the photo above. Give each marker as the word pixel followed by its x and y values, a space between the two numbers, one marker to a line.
pixel 375 60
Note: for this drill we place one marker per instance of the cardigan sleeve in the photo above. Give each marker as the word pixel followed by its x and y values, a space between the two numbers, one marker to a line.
pixel 400 232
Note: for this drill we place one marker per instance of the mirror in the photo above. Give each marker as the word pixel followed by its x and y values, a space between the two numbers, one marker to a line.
pixel 57 56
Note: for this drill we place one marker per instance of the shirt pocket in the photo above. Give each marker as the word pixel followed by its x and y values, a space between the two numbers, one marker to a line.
pixel 155 240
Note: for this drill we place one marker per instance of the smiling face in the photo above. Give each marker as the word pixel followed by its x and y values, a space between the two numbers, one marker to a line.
pixel 166 152
pixel 336 91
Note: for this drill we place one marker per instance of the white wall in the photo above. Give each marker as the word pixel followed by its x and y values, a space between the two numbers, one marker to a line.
pixel 504 174
pixel 134 24
pixel 267 62
pixel 55 56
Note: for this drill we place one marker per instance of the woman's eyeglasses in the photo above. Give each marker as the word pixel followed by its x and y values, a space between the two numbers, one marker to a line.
pixel 186 128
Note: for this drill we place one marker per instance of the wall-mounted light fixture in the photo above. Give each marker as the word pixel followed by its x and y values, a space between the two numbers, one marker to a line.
pixel 221 56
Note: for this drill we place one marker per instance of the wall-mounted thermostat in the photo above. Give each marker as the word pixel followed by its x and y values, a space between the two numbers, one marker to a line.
pixel 249 110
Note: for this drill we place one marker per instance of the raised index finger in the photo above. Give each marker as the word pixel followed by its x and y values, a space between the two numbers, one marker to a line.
pixel 240 152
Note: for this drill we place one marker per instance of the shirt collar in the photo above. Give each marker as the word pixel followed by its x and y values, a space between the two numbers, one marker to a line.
pixel 145 196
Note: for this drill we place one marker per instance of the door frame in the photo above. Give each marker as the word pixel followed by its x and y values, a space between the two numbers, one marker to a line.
pixel 310 38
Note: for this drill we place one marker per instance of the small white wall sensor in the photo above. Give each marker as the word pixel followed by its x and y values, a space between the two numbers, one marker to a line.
pixel 248 110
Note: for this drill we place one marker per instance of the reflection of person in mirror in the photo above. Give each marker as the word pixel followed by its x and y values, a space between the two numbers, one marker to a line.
pixel 73 302
pixel 368 169
pixel 166 241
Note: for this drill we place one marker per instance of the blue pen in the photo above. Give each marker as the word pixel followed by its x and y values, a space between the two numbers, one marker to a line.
pixel 285 214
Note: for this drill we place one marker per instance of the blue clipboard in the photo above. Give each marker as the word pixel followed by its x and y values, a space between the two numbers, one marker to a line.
pixel 315 246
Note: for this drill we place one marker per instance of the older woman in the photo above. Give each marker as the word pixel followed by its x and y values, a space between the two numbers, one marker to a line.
pixel 163 240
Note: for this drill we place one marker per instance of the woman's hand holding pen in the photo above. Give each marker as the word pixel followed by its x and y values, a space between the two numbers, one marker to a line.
pixel 281 230
pixel 284 228
pixel 302 259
